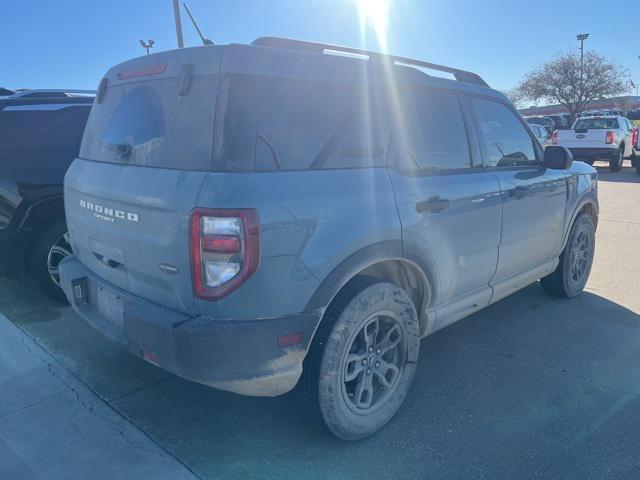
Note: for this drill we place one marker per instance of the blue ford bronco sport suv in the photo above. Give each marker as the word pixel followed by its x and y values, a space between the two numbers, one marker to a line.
pixel 242 215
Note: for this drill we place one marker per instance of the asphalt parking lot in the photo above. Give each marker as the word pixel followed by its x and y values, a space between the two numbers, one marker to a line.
pixel 532 387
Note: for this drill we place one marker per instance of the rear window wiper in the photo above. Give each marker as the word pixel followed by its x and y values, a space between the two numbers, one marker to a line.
pixel 122 149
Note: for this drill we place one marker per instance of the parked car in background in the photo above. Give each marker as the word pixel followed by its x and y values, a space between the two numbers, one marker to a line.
pixel 559 121
pixel 5 92
pixel 635 154
pixel 542 134
pixel 606 138
pixel 548 122
pixel 239 211
pixel 633 114
pixel 39 138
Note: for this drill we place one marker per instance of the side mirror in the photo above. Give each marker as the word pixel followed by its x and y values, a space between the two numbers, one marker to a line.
pixel 557 158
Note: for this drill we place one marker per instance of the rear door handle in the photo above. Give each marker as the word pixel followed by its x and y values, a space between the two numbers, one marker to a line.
pixel 432 205
pixel 518 192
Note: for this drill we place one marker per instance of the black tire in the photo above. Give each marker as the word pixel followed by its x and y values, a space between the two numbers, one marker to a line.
pixel 571 274
pixel 615 164
pixel 333 394
pixel 50 245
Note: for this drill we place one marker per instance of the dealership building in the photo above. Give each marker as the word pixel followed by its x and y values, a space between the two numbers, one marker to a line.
pixel 623 103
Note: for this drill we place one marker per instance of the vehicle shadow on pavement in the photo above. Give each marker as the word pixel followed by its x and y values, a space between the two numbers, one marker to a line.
pixel 532 386
pixel 626 175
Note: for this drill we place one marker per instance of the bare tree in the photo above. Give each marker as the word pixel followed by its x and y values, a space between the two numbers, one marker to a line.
pixel 514 96
pixel 559 81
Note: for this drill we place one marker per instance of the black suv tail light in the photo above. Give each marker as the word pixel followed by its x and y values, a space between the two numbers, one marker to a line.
pixel 225 250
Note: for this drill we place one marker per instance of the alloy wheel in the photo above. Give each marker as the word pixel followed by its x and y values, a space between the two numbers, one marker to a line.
pixel 374 362
pixel 580 256
pixel 59 250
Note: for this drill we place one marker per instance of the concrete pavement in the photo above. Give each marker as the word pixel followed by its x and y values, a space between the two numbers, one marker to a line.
pixel 53 427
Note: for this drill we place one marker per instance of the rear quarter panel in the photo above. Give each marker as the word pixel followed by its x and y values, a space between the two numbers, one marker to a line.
pixel 311 221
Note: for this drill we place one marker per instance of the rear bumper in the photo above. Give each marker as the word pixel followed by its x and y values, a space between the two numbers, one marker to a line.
pixel 237 355
pixel 12 251
pixel 594 153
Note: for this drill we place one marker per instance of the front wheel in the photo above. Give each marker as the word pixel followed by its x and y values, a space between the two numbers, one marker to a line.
pixel 368 361
pixel 571 274
pixel 50 247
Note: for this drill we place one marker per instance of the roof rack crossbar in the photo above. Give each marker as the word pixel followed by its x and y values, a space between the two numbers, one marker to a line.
pixel 286 43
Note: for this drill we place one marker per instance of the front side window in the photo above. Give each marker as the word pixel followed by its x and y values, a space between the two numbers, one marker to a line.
pixel 429 133
pixel 505 141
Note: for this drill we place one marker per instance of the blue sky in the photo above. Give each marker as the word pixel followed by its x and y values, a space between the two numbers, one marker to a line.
pixel 71 43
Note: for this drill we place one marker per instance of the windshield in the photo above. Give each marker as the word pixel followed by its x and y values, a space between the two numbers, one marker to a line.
pixel 596 124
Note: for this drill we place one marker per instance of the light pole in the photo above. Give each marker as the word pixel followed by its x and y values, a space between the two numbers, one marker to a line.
pixel 581 37
pixel 147 45
pixel 176 17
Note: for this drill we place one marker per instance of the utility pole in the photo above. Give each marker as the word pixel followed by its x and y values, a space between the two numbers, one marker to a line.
pixel 176 15
pixel 636 83
pixel 147 45
pixel 581 37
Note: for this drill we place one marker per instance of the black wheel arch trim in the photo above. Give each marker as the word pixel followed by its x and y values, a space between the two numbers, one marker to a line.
pixel 379 252
pixel 588 199
pixel 42 211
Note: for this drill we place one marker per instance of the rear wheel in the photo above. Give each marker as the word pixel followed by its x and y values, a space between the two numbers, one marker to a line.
pixel 615 164
pixel 51 246
pixel 571 274
pixel 366 368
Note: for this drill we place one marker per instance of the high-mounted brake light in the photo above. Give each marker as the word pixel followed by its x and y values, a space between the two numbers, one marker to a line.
pixel 225 250
pixel 142 72
pixel 609 138
pixel 554 137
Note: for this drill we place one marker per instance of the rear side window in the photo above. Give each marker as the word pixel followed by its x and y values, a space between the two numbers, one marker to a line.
pixel 42 136
pixel 273 124
pixel 304 124
pixel 429 133
pixel 503 138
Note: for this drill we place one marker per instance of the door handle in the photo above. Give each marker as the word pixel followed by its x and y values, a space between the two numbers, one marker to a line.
pixel 518 192
pixel 432 205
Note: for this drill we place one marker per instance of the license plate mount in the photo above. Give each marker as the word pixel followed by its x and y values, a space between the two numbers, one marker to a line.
pixel 111 307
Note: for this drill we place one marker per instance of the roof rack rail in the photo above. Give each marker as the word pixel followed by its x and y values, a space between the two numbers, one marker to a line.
pixel 68 91
pixel 287 43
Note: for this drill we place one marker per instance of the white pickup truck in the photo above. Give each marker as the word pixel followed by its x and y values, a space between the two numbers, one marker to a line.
pixel 635 155
pixel 607 138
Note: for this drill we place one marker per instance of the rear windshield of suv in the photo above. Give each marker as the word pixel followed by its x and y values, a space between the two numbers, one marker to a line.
pixel 596 124
pixel 148 124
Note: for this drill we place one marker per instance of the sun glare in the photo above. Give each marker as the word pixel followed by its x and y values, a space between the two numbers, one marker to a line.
pixel 374 14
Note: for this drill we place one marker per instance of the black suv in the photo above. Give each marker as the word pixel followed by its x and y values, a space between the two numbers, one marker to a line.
pixel 40 133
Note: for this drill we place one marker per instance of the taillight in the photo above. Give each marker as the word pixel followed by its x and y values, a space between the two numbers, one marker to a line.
pixel 634 138
pixel 609 138
pixel 554 137
pixel 225 250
